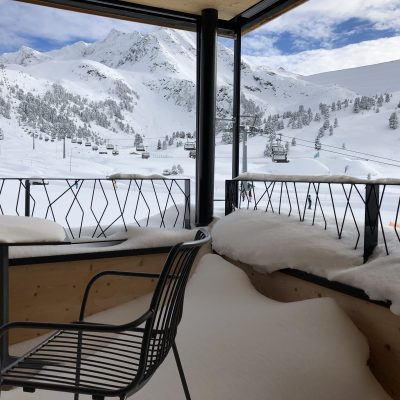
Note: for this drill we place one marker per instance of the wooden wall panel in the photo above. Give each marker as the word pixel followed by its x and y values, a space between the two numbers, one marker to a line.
pixel 53 291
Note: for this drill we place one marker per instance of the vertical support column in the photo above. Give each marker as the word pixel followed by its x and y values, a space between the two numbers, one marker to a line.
pixel 371 219
pixel 27 198
pixel 4 308
pixel 231 196
pixel 205 158
pixel 236 103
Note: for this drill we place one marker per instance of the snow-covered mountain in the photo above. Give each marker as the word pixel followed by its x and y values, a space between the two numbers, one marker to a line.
pixel 134 84
pixel 159 68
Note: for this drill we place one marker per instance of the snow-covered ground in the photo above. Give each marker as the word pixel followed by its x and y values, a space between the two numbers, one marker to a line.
pixel 236 344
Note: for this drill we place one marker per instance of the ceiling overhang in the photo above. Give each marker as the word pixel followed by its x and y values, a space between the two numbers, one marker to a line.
pixel 234 15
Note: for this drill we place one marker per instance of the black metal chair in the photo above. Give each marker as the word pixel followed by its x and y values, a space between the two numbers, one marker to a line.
pixel 109 360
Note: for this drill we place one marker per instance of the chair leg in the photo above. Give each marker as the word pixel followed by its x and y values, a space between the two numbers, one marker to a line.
pixel 181 373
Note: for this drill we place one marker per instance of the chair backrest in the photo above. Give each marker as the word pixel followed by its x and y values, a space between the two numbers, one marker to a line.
pixel 167 303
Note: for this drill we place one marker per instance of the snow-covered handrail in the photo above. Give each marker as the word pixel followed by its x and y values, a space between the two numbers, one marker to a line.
pixel 359 207
pixel 97 207
pixel 258 177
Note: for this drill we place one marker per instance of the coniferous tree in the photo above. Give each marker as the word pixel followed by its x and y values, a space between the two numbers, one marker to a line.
pixel 393 121
pixel 335 123
pixel 331 130
pixel 180 169
pixel 159 146
pixel 356 107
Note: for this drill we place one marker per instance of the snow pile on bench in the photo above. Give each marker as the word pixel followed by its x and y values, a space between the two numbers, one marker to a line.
pixel 135 238
pixel 15 229
pixel 236 344
pixel 271 242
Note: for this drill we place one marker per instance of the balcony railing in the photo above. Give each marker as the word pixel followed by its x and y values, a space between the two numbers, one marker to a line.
pixel 354 207
pixel 98 208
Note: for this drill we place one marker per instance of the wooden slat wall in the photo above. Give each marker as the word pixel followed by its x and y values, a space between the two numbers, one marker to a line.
pixel 53 291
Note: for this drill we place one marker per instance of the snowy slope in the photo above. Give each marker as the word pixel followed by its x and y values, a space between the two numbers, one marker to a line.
pixel 367 80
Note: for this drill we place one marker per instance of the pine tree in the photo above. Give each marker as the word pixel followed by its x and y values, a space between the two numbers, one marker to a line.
pixel 356 107
pixel 294 142
pixel 331 130
pixel 387 98
pixel 335 123
pixel 164 145
pixel 317 117
pixel 174 170
pixel 180 169
pixel 393 121
pixel 159 146
pixel 344 146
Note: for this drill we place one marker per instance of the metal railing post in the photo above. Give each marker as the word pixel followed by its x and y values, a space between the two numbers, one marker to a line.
pixel 187 224
pixel 371 219
pixel 27 198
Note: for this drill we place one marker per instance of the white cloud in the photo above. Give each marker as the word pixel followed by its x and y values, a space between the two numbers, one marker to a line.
pixel 22 23
pixel 323 60
pixel 317 19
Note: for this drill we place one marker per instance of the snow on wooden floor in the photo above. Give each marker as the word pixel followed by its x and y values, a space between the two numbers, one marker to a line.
pixel 236 344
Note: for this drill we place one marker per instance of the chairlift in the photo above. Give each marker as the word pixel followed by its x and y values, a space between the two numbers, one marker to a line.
pixel 166 172
pixel 40 137
pixel 140 147
pixel 103 152
pixel 95 147
pixel 115 152
pixel 110 146
pixel 279 153
pixel 79 141
pixel 46 139
pixel 317 145
pixel 72 141
pixel 88 144
pixel 190 146
pixel 145 154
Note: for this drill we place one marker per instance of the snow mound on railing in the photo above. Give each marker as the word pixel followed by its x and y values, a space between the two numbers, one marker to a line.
pixel 271 242
pixel 255 176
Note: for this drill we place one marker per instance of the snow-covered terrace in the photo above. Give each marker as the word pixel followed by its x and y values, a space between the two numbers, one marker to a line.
pixel 237 344
pixel 266 241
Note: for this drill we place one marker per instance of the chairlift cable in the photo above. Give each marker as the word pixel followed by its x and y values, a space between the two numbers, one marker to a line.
pixel 350 151
pixel 357 157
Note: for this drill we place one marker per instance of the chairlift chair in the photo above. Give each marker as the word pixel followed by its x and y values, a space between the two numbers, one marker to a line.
pixel 73 140
pixel 110 146
pixel 145 154
pixel 79 141
pixel 140 147
pixel 190 146
pixel 103 360
pixel 279 153
pixel 88 144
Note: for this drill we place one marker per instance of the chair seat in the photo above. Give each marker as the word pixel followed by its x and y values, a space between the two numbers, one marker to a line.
pixel 107 363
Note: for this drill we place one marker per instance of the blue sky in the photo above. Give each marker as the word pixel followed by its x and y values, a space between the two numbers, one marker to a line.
pixel 316 29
